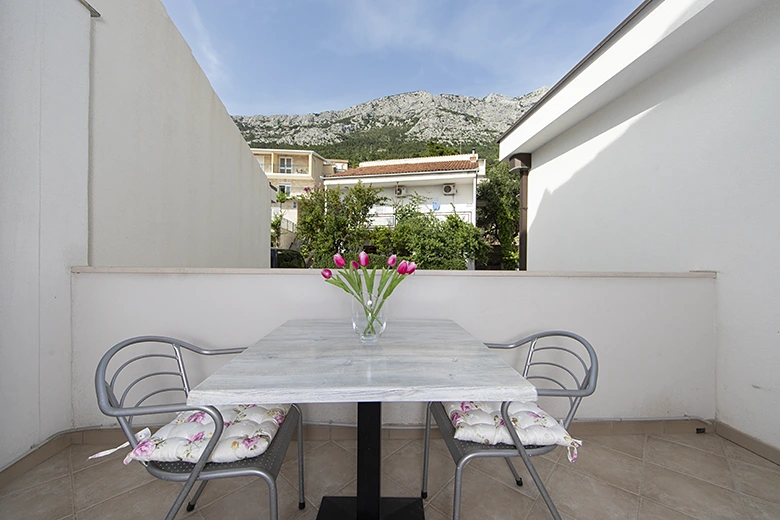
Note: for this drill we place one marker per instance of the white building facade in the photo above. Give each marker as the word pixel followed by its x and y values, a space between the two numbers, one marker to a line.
pixel 448 184
pixel 658 152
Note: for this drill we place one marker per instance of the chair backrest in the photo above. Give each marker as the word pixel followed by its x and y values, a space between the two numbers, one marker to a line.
pixel 138 369
pixel 560 364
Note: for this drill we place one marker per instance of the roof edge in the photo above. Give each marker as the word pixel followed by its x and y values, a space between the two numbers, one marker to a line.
pixel 580 65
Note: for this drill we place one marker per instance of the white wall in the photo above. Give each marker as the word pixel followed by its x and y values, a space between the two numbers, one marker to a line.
pixel 654 334
pixel 172 182
pixel 680 174
pixel 113 149
pixel 44 96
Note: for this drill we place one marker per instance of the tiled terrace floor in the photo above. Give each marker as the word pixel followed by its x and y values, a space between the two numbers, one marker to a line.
pixel 637 477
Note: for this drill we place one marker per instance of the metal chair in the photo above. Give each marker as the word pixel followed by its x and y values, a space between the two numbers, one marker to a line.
pixel 567 370
pixel 152 359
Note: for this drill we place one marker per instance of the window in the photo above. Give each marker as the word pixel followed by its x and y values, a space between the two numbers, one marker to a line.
pixel 285 187
pixel 285 164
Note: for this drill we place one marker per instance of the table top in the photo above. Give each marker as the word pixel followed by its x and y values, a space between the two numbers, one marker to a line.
pixel 323 361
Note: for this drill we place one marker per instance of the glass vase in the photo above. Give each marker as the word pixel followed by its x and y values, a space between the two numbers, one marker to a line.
pixel 369 317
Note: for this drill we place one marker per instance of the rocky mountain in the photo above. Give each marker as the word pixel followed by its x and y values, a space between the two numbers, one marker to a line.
pixel 413 116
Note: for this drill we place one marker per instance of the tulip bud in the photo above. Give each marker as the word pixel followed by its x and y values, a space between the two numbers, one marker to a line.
pixel 355 265
pixel 391 261
pixel 363 258
pixel 326 273
pixel 403 267
pixel 412 268
pixel 339 260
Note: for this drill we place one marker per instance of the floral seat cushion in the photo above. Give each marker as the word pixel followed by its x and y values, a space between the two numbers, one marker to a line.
pixel 481 422
pixel 248 431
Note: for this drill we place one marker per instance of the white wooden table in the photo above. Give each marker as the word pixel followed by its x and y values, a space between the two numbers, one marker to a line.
pixel 323 361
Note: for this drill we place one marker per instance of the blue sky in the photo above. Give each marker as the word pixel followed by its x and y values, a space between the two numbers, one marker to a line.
pixel 301 56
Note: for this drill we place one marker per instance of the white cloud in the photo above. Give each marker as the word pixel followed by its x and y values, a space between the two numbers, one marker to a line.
pixel 205 52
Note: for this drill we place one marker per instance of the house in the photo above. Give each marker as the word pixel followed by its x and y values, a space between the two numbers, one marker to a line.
pixel 658 153
pixel 448 184
pixel 132 205
pixel 292 171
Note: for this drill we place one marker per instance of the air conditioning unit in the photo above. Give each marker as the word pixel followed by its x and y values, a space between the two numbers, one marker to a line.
pixel 449 189
pixel 400 191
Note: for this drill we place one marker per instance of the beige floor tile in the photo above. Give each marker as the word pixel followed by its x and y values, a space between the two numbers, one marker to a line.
pixel 151 500
pixel 618 469
pixel 431 513
pixel 52 468
pixel 219 488
pixel 405 465
pixel 540 511
pixel 439 444
pixel 251 503
pixel 584 497
pixel 735 452
pixel 649 510
pixel 689 461
pixel 633 445
pixel 389 446
pixel 580 429
pixel 758 509
pixel 327 469
pixel 53 499
pixel 292 450
pixel 498 469
pixel 106 480
pixel 388 488
pixel 709 442
pixel 483 498
pixel 757 482
pixel 80 453
pixel 690 496
pixel 555 455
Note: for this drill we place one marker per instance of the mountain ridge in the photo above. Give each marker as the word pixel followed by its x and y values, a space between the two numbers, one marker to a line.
pixel 398 121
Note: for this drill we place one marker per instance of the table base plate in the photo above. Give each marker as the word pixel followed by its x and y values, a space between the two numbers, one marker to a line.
pixel 345 508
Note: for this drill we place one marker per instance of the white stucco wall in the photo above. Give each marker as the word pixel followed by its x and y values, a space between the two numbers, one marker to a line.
pixel 172 182
pixel 654 334
pixel 44 96
pixel 680 173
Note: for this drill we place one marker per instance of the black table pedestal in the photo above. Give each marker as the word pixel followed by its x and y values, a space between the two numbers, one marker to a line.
pixel 369 505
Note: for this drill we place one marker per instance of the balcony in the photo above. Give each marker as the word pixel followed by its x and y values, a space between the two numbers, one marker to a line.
pixel 626 476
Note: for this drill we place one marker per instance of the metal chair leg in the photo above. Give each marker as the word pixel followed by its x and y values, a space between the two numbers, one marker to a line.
pixel 539 484
pixel 196 496
pixel 426 451
pixel 301 498
pixel 457 491
pixel 518 478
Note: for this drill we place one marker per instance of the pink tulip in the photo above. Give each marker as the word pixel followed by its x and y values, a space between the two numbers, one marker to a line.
pixel 403 267
pixel 363 258
pixel 326 273
pixel 355 265
pixel 391 261
pixel 339 260
pixel 412 268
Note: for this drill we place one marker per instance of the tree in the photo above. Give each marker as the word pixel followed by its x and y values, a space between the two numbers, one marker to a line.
pixel 429 242
pixel 499 217
pixel 276 228
pixel 435 148
pixel 330 223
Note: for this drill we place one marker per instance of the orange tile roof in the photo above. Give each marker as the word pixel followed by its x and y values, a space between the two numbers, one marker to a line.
pixel 421 167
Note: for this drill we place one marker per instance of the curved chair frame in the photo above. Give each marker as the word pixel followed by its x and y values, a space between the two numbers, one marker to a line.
pixel 112 402
pixel 566 383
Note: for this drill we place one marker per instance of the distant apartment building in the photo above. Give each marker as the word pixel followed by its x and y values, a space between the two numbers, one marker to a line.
pixel 291 171
pixel 448 184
